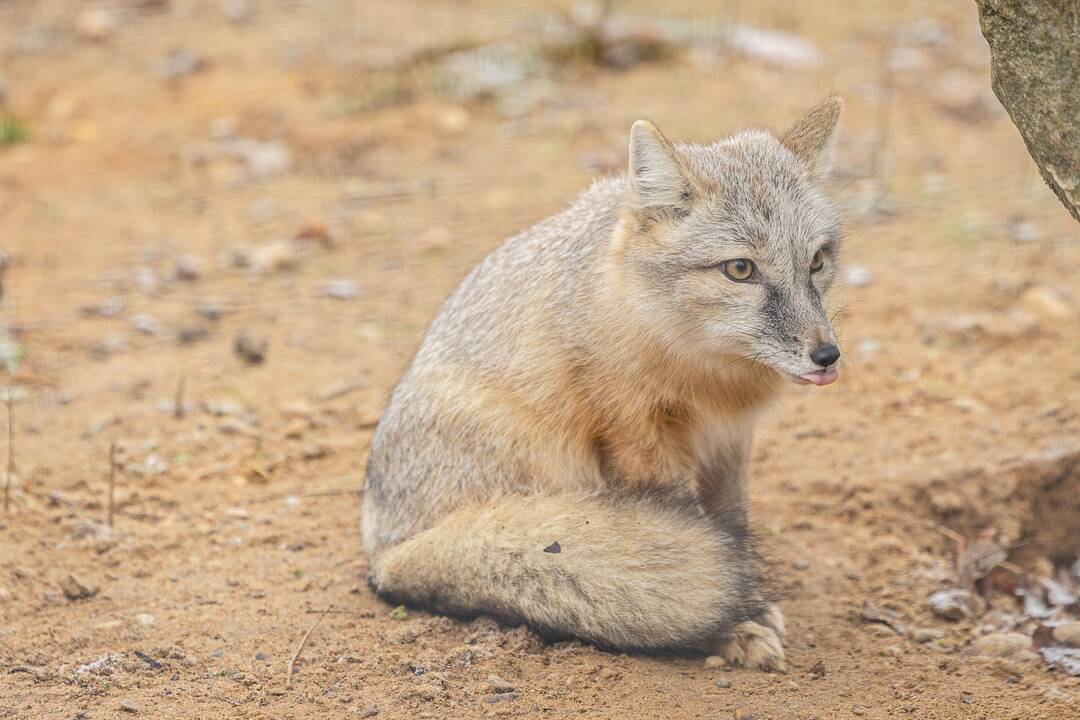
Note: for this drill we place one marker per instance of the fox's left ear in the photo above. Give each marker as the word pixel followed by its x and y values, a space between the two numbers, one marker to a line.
pixel 813 136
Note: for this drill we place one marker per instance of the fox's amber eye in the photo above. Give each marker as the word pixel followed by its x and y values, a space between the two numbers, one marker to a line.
pixel 739 270
pixel 817 262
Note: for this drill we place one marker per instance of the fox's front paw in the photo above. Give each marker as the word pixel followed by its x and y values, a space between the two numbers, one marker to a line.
pixel 773 618
pixel 754 645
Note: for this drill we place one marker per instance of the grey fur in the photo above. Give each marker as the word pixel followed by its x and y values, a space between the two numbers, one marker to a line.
pixel 591 366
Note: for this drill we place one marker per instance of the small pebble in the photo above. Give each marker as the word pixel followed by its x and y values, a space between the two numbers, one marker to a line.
pixel 950 604
pixel 129 706
pixel 925 635
pixel 190 334
pixel 1068 634
pixel 146 324
pixel 723 684
pixel 497 684
pixel 249 348
pixel 76 589
pixel 500 697
pixel 1004 644
pixel 188 268
pixel 341 289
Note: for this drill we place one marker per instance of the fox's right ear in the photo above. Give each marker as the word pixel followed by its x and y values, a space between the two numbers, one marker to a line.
pixel 657 178
pixel 813 136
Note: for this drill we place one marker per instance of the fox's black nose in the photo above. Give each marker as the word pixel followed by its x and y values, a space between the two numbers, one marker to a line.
pixel 825 355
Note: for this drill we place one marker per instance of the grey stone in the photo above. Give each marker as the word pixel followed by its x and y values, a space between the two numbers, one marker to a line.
pixel 1035 66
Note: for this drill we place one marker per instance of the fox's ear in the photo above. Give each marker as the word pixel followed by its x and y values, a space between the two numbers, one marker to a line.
pixel 656 175
pixel 813 136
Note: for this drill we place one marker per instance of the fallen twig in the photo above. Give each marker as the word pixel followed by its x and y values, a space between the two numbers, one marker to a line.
pixel 112 480
pixel 331 611
pixel 300 648
pixel 11 449
pixel 178 405
pixel 282 496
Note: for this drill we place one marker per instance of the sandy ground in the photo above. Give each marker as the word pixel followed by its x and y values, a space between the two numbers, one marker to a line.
pixel 300 174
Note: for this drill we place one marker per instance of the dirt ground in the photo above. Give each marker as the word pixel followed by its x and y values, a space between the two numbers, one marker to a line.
pixel 317 176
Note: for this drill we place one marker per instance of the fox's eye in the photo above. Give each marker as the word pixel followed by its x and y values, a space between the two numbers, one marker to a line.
pixel 739 270
pixel 817 262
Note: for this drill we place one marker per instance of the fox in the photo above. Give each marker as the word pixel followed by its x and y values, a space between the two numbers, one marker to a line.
pixel 569 447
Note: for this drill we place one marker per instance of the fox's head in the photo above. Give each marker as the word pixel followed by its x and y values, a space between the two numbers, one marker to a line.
pixel 730 249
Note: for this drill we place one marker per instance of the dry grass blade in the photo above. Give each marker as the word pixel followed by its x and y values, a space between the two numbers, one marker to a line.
pixel 300 647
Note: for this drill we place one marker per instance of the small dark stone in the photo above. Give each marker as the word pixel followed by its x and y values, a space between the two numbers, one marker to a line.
pixel 192 334
pixel 554 548
pixel 251 350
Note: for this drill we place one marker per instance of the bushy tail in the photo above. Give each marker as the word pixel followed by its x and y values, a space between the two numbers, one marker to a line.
pixel 632 573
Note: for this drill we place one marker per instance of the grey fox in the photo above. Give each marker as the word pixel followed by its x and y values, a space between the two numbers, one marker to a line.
pixel 569 446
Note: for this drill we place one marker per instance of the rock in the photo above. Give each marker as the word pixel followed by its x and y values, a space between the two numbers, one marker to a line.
pixel 1034 65
pixel 144 620
pixel 127 705
pixel 1045 303
pixel 106 308
pixel 817 670
pixel 498 685
pixel 715 661
pixel 370 711
pixel 1068 634
pixel 722 684
pixel 146 324
pixel 190 334
pixel 774 47
pixel 341 289
pixel 1054 694
pixel 951 604
pixel 188 268
pixel 1067 660
pixel 399 613
pixel 1003 644
pixel 858 276
pixel 501 697
pixel 800 564
pixel 210 311
pixel 97 23
pixel 75 589
pixel 925 635
pixel 180 63
pixel 249 348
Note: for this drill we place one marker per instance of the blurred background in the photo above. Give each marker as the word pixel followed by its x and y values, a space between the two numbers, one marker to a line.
pixel 226 224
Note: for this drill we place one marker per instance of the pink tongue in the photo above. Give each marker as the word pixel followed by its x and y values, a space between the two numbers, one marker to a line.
pixel 822 377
